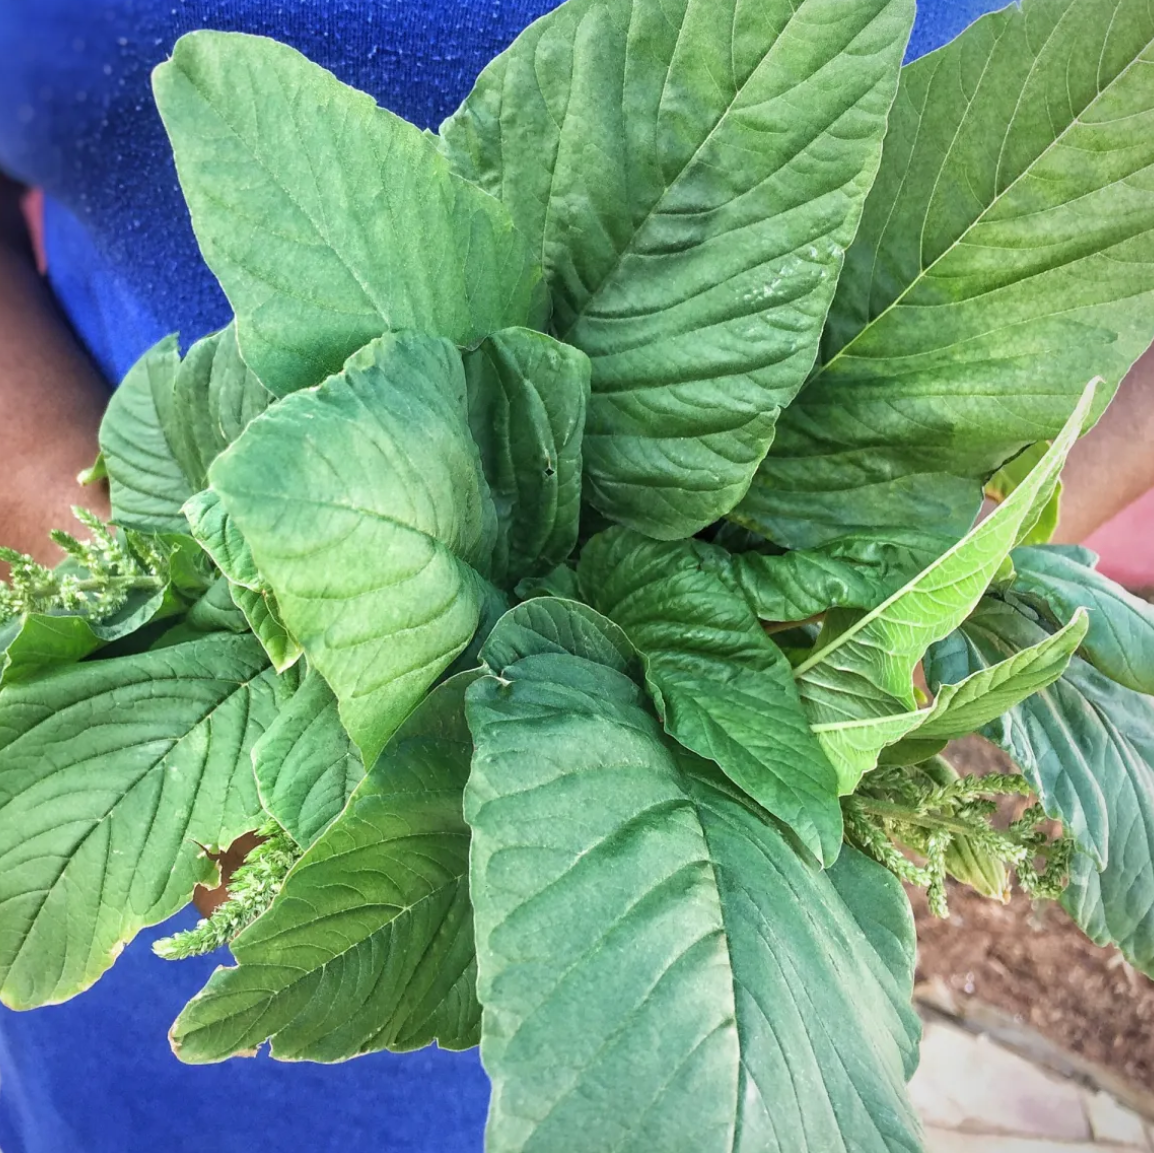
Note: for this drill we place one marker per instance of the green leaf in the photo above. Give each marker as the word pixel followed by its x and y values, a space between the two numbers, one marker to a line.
pixel 1060 580
pixel 328 220
pixel 369 945
pixel 855 572
pixel 553 625
pixel 146 482
pixel 34 644
pixel 367 514
pixel 964 708
pixel 1007 478
pixel 1006 255
pixel 214 611
pixel 527 401
pixel 114 774
pixel 691 173
pixel 723 689
pixel 218 534
pixel 214 399
pixel 1086 745
pixel 858 682
pixel 263 615
pixel 306 765
pixel 715 992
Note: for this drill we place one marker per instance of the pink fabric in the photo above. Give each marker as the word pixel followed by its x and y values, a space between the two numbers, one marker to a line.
pixel 1126 545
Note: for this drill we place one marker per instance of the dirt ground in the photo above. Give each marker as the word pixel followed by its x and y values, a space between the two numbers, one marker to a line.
pixel 1030 960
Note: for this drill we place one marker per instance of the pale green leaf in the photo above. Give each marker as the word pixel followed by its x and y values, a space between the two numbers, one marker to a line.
pixel 527 400
pixel 145 479
pixel 1005 256
pixel 964 708
pixel 690 173
pixel 214 398
pixel 306 765
pixel 369 945
pixel 723 689
pixel 328 220
pixel 859 680
pixel 367 514
pixel 714 992
pixel 113 774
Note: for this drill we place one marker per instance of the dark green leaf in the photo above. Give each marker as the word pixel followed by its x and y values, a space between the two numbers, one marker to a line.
pixel 214 398
pixel 690 172
pixel 1060 580
pixel 722 687
pixel 1006 255
pixel 856 572
pixel 263 615
pixel 527 399
pixel 218 534
pixel 328 220
pixel 712 991
pixel 369 945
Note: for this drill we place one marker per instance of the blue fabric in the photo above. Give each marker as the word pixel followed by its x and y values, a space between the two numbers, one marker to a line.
pixel 96 1075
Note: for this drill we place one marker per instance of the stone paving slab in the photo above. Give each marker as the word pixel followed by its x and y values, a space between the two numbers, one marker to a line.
pixel 947 1141
pixel 974 1096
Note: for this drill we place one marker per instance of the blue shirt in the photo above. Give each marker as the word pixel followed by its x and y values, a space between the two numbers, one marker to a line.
pixel 76 119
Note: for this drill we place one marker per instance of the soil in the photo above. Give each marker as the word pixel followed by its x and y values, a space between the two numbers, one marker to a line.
pixel 1030 960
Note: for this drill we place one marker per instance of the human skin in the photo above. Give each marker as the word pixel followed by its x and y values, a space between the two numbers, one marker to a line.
pixel 51 398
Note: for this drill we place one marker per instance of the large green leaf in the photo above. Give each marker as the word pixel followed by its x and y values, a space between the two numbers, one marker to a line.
pixel 714 991
pixel 369 945
pixel 691 173
pixel 113 774
pixel 145 479
pixel 857 685
pixel 1006 255
pixel 527 400
pixel 722 687
pixel 328 220
pixel 1061 580
pixel 306 765
pixel 1087 746
pixel 366 511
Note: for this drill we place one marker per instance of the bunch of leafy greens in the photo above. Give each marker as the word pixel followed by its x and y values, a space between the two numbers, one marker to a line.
pixel 545 555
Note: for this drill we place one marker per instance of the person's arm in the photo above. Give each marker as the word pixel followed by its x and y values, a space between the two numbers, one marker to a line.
pixel 51 399
pixel 1113 464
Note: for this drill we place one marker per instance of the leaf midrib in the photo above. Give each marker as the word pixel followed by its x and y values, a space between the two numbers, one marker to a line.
pixel 925 272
